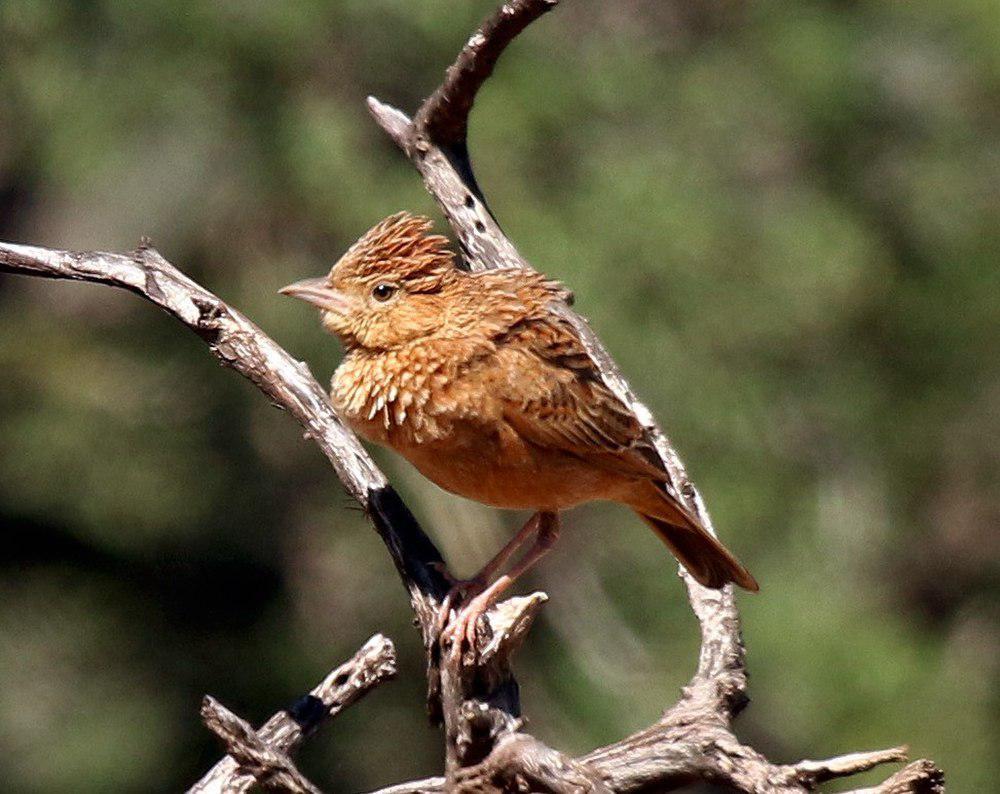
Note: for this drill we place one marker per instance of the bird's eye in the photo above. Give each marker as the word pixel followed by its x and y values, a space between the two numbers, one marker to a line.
pixel 382 292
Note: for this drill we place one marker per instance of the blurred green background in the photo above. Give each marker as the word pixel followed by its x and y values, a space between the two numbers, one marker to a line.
pixel 782 217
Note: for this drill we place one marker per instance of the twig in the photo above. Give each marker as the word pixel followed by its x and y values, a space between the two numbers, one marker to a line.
pixel 485 747
pixel 270 767
pixel 920 777
pixel 694 738
pixel 813 772
pixel 372 665
pixel 444 115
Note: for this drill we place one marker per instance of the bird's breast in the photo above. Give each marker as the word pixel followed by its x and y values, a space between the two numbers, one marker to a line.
pixel 448 422
pixel 492 464
pixel 410 396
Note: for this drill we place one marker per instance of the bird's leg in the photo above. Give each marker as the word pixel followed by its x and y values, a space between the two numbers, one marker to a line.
pixel 461 588
pixel 464 626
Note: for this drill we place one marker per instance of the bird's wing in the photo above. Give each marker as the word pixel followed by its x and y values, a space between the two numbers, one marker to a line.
pixel 553 396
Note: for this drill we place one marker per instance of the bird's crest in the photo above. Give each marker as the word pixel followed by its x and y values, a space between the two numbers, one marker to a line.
pixel 400 245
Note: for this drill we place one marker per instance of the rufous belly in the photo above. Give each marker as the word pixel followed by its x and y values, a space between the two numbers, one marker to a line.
pixel 499 468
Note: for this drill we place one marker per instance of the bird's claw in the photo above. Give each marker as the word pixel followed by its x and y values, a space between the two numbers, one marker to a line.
pixel 462 629
pixel 464 624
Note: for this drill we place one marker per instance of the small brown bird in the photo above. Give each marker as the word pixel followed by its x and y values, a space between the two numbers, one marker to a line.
pixel 475 380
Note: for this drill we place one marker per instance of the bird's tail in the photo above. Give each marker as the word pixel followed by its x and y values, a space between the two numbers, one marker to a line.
pixel 704 557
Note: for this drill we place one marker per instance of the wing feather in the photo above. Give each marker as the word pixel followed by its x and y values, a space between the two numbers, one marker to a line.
pixel 554 396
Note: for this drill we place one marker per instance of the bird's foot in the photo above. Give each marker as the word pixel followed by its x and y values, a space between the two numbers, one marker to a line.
pixel 459 594
pixel 463 628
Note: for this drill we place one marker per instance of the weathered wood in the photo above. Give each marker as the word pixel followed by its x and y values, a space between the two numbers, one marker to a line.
pixel 372 665
pixel 694 738
pixel 262 762
pixel 474 692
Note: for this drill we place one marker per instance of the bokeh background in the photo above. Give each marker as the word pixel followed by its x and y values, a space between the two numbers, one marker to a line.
pixel 782 217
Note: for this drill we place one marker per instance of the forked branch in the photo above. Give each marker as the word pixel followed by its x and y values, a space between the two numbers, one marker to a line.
pixel 252 754
pixel 694 738
pixel 263 753
pixel 474 693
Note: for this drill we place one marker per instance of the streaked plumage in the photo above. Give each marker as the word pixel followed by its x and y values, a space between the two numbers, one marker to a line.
pixel 489 392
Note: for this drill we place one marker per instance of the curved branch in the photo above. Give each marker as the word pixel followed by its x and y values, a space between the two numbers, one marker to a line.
pixel 486 749
pixel 233 339
pixel 483 677
pixel 694 738
pixel 444 115
pixel 238 343
pixel 442 160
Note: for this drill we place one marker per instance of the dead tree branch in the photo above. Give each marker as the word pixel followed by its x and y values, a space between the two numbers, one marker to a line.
pixel 694 739
pixel 261 761
pixel 475 692
pixel 920 777
pixel 485 676
pixel 239 344
pixel 372 665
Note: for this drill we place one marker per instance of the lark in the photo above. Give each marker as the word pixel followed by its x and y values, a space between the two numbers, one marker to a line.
pixel 488 390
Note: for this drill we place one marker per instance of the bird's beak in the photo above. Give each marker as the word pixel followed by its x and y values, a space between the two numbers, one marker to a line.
pixel 318 292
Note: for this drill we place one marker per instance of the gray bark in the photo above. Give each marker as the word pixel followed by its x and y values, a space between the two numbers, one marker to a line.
pixel 473 693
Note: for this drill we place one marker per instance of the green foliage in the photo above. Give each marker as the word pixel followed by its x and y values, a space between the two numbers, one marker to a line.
pixel 781 217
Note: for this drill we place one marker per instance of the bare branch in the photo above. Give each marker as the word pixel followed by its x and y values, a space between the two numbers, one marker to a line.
pixel 435 143
pixel 447 175
pixel 479 696
pixel 694 739
pixel 475 692
pixel 672 758
pixel 240 344
pixel 273 769
pixel 442 160
pixel 520 762
pixel 445 114
pixel 233 339
pixel 812 772
pixel 436 140
pixel 920 777
pixel 372 665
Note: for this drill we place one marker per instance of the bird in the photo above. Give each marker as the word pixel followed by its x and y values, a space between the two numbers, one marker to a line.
pixel 488 390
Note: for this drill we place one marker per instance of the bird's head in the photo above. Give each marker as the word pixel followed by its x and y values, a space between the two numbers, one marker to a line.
pixel 390 287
